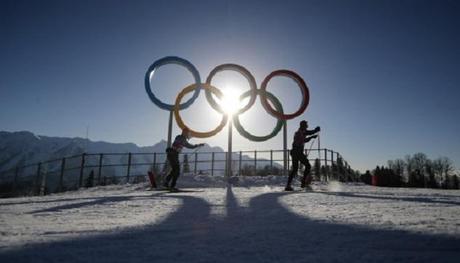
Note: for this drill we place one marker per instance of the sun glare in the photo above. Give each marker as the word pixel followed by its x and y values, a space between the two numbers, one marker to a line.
pixel 230 101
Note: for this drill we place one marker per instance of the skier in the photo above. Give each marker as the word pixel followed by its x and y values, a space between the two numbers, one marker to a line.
pixel 298 155
pixel 180 142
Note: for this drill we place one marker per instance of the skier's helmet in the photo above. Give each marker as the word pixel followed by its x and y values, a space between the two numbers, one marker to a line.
pixel 303 124
pixel 186 132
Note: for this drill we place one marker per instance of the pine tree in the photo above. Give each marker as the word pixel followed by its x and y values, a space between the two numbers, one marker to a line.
pixel 324 172
pixel 366 177
pixel 455 182
pixel 316 169
pixel 90 180
pixel 340 168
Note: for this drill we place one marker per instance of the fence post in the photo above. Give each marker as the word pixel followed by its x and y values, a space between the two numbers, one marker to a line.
pixel 240 160
pixel 212 164
pixel 334 172
pixel 61 175
pixel 154 162
pixel 331 170
pixel 128 170
pixel 37 180
pixel 326 168
pixel 255 162
pixel 271 161
pixel 99 172
pixel 43 181
pixel 196 162
pixel 82 168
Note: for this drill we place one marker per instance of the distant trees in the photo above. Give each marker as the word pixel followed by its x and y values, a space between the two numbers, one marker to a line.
pixel 415 171
pixel 366 177
pixel 89 181
pixel 317 169
pixel 396 172
pixel 266 170
pixel 247 170
pixel 443 169
pixel 387 177
pixel 340 168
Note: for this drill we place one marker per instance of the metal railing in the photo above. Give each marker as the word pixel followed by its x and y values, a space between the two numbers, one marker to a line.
pixel 91 169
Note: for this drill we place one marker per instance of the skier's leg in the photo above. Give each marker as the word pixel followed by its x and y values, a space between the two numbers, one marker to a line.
pixel 306 173
pixel 167 179
pixel 171 158
pixel 295 168
pixel 175 170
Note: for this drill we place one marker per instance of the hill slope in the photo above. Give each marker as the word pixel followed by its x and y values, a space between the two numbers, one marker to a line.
pixel 248 223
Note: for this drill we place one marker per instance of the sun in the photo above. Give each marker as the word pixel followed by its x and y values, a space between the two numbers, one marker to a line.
pixel 230 102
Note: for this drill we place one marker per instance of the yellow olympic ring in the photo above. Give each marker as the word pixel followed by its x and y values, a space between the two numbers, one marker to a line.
pixel 181 123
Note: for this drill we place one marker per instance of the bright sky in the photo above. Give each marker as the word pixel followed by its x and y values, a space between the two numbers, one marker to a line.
pixel 383 75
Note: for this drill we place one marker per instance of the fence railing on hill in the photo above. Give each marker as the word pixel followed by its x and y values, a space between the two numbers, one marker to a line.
pixel 90 169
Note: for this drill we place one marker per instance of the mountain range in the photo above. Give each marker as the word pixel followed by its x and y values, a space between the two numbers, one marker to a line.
pixel 24 147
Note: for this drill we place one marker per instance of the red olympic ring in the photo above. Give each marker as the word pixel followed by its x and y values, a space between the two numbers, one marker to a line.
pixel 300 82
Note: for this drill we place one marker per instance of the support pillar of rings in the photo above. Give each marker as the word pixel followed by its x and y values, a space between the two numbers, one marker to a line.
pixel 228 170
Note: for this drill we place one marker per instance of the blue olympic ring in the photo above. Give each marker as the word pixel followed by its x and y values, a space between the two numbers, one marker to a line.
pixel 172 60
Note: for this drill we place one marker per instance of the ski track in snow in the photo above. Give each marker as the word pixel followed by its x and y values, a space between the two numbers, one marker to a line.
pixel 253 221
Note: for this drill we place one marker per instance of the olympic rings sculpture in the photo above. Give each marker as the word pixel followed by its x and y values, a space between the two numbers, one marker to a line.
pixel 265 97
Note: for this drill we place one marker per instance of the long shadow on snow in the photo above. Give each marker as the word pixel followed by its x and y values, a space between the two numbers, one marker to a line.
pixel 393 198
pixel 264 232
pixel 54 199
pixel 93 201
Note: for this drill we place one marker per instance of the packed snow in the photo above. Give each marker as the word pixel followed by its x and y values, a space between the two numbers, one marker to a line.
pixel 253 220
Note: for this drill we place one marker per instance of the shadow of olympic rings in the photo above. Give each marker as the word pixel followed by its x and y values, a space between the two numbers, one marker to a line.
pixel 265 231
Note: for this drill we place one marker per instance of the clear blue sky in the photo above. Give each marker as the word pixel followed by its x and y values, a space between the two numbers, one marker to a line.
pixel 384 75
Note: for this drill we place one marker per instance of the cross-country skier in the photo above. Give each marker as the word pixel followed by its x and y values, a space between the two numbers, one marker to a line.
pixel 180 142
pixel 301 136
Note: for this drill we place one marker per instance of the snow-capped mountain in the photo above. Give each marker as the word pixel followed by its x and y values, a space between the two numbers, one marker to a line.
pixel 19 148
pixel 23 147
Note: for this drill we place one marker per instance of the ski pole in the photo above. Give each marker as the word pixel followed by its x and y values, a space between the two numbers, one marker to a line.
pixel 196 149
pixel 311 145
pixel 319 150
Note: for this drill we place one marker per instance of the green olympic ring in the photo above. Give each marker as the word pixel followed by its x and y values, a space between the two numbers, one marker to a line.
pixel 275 131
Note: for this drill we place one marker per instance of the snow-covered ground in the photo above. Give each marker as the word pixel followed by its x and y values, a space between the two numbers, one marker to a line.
pixel 252 221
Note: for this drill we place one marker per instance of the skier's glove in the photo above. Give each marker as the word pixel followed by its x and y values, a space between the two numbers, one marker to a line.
pixel 317 129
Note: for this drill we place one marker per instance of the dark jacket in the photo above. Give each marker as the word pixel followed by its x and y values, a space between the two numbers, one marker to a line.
pixel 300 138
pixel 180 142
